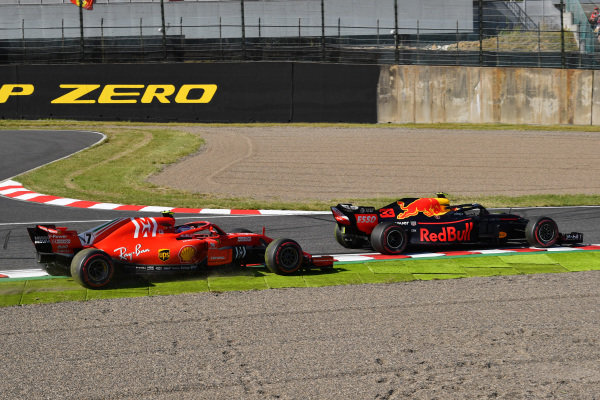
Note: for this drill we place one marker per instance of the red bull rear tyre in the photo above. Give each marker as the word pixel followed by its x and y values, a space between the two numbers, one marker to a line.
pixel 389 238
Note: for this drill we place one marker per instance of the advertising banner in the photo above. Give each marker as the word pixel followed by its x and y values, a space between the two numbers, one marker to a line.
pixel 201 92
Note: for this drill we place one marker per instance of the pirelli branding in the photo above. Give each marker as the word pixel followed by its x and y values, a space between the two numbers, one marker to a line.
pixel 72 93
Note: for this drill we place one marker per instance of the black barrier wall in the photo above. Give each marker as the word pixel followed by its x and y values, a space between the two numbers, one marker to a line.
pixel 215 92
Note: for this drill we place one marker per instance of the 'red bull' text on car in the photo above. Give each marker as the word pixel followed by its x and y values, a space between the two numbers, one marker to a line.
pixel 155 244
pixel 433 221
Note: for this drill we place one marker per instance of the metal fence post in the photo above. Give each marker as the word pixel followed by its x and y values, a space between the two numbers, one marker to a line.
pixel 221 38
pixel 562 34
pixel 396 39
pixel 24 52
pixel 457 45
pixel 141 40
pixel 323 29
pixel 418 46
pixel 243 17
pixel 102 38
pixel 163 29
pixel 539 46
pixel 81 41
pixel 480 10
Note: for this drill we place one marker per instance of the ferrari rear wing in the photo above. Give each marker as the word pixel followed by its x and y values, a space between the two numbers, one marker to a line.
pixel 48 239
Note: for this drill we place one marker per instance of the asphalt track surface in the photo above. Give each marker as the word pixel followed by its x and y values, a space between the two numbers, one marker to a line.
pixel 500 337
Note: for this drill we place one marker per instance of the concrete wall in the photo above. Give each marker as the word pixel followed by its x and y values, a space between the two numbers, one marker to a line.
pixel 430 94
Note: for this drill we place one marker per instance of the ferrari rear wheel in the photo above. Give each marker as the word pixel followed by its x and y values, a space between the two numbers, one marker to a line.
pixel 542 232
pixel 389 238
pixel 283 256
pixel 92 268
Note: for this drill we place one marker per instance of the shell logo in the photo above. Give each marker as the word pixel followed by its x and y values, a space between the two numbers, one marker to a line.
pixel 187 253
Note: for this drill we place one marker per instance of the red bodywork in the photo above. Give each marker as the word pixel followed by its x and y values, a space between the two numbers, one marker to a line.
pixel 157 244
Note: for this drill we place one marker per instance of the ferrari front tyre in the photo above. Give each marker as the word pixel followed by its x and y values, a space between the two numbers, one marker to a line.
pixel 345 240
pixel 542 232
pixel 92 268
pixel 283 256
pixel 389 238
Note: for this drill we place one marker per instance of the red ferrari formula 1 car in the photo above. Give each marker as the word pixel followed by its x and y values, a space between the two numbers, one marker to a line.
pixel 156 244
pixel 433 221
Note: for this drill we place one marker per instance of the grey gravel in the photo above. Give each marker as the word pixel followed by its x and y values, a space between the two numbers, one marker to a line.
pixel 514 337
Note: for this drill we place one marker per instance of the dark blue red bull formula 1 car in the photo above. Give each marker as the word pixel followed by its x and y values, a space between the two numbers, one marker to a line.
pixel 433 221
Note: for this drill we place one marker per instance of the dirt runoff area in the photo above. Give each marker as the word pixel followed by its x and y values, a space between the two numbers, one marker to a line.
pixel 325 163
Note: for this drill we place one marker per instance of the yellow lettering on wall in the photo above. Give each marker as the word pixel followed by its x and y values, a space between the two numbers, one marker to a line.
pixel 160 92
pixel 73 97
pixel 108 94
pixel 8 90
pixel 207 94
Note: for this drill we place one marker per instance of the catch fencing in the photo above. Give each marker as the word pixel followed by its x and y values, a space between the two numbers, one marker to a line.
pixel 530 33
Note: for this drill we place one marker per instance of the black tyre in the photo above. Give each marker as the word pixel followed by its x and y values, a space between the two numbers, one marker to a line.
pixel 542 232
pixel 283 256
pixel 345 240
pixel 92 268
pixel 389 238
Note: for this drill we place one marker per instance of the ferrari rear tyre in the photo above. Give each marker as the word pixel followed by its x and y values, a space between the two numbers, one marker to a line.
pixel 92 268
pixel 389 238
pixel 542 232
pixel 283 256
pixel 345 240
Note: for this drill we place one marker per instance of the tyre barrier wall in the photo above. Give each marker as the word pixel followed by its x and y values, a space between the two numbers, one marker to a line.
pixel 211 92
pixel 433 94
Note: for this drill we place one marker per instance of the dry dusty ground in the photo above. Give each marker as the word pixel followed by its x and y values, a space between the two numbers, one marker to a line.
pixel 524 337
pixel 300 163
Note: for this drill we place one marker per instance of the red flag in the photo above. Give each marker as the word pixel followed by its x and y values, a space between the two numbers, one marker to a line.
pixel 87 4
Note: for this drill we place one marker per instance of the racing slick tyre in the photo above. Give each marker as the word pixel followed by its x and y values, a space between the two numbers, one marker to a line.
pixel 347 241
pixel 92 268
pixel 389 238
pixel 542 232
pixel 283 256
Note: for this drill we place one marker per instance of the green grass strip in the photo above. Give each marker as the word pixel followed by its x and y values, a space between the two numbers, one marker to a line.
pixel 53 290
